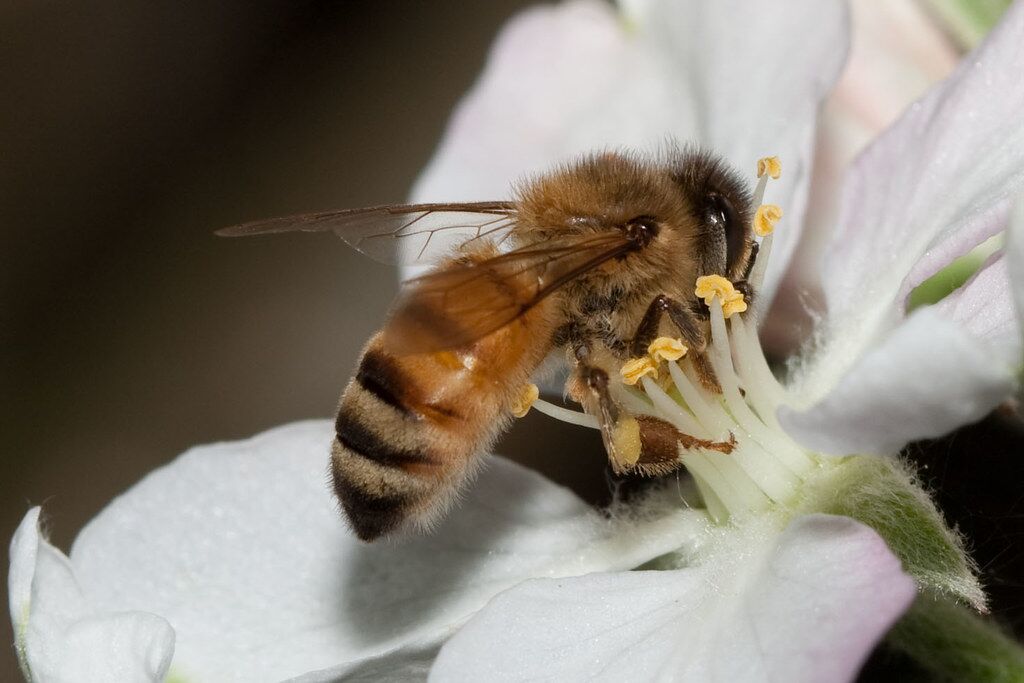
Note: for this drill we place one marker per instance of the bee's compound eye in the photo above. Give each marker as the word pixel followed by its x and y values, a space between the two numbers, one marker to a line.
pixel 642 230
pixel 719 211
pixel 720 215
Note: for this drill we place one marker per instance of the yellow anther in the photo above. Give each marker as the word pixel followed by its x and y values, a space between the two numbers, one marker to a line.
pixel 666 348
pixel 635 368
pixel 527 395
pixel 710 286
pixel 769 165
pixel 765 218
pixel 733 304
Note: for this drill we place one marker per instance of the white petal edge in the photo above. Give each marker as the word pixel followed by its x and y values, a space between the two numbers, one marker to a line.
pixel 933 185
pixel 925 379
pixel 60 636
pixel 1015 257
pixel 742 79
pixel 241 547
pixel 804 606
pixel 406 664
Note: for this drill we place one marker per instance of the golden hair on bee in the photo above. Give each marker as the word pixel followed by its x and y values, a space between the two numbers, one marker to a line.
pixel 594 259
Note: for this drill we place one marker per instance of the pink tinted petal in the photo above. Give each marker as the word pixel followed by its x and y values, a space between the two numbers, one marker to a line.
pixel 804 606
pixel 830 591
pixel 927 378
pixel 930 186
pixel 897 53
pixel 985 309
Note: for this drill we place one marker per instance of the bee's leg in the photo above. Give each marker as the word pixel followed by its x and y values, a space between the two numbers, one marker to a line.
pixel 750 261
pixel 642 444
pixel 683 318
pixel 690 321
pixel 741 285
pixel 706 373
pixel 660 442
pixel 618 428
pixel 596 382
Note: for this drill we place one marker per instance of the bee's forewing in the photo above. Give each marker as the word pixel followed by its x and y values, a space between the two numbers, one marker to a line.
pixel 403 234
pixel 464 302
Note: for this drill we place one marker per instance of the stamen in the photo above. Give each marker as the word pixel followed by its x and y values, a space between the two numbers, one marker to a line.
pixel 763 465
pixel 527 395
pixel 666 348
pixel 734 304
pixel 767 167
pixel 673 412
pixel 635 368
pixel 565 415
pixel 721 360
pixel 710 286
pixel 765 218
pixel 709 412
pixel 770 166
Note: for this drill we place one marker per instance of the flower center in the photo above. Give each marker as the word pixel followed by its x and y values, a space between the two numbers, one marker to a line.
pixel 764 466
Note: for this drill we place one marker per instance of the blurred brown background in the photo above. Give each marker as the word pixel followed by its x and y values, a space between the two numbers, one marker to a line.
pixel 131 130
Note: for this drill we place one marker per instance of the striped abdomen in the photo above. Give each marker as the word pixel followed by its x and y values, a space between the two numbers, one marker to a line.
pixel 410 428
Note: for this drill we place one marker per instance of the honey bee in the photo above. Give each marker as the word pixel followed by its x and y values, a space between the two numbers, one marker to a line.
pixel 593 259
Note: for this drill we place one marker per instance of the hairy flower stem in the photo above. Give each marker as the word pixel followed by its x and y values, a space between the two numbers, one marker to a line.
pixel 953 643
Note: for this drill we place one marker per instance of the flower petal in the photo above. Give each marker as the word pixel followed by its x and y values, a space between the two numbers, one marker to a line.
pixel 744 79
pixel 926 379
pixel 1015 254
pixel 806 606
pixel 60 637
pixel 758 73
pixel 405 664
pixel 984 308
pixel 241 547
pixel 932 186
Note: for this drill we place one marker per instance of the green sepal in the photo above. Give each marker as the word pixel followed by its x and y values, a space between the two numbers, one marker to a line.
pixel 952 643
pixel 968 21
pixel 883 494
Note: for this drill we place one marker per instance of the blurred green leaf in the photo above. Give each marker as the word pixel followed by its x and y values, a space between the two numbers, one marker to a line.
pixel 968 20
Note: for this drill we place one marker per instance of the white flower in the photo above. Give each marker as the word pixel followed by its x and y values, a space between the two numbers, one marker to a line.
pixel 235 560
pixel 232 563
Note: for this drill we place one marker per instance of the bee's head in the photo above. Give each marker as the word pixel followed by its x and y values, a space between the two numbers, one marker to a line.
pixel 609 193
pixel 688 214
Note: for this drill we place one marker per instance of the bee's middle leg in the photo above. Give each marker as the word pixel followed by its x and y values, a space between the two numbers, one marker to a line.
pixel 691 324
pixel 683 317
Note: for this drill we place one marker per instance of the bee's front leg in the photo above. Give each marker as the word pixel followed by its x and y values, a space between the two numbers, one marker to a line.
pixel 690 322
pixel 683 317
pixel 743 285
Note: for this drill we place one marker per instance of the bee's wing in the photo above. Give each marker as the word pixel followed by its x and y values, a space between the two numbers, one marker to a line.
pixel 406 234
pixel 463 302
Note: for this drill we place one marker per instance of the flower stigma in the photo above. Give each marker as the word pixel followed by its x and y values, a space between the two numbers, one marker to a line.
pixel 764 466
